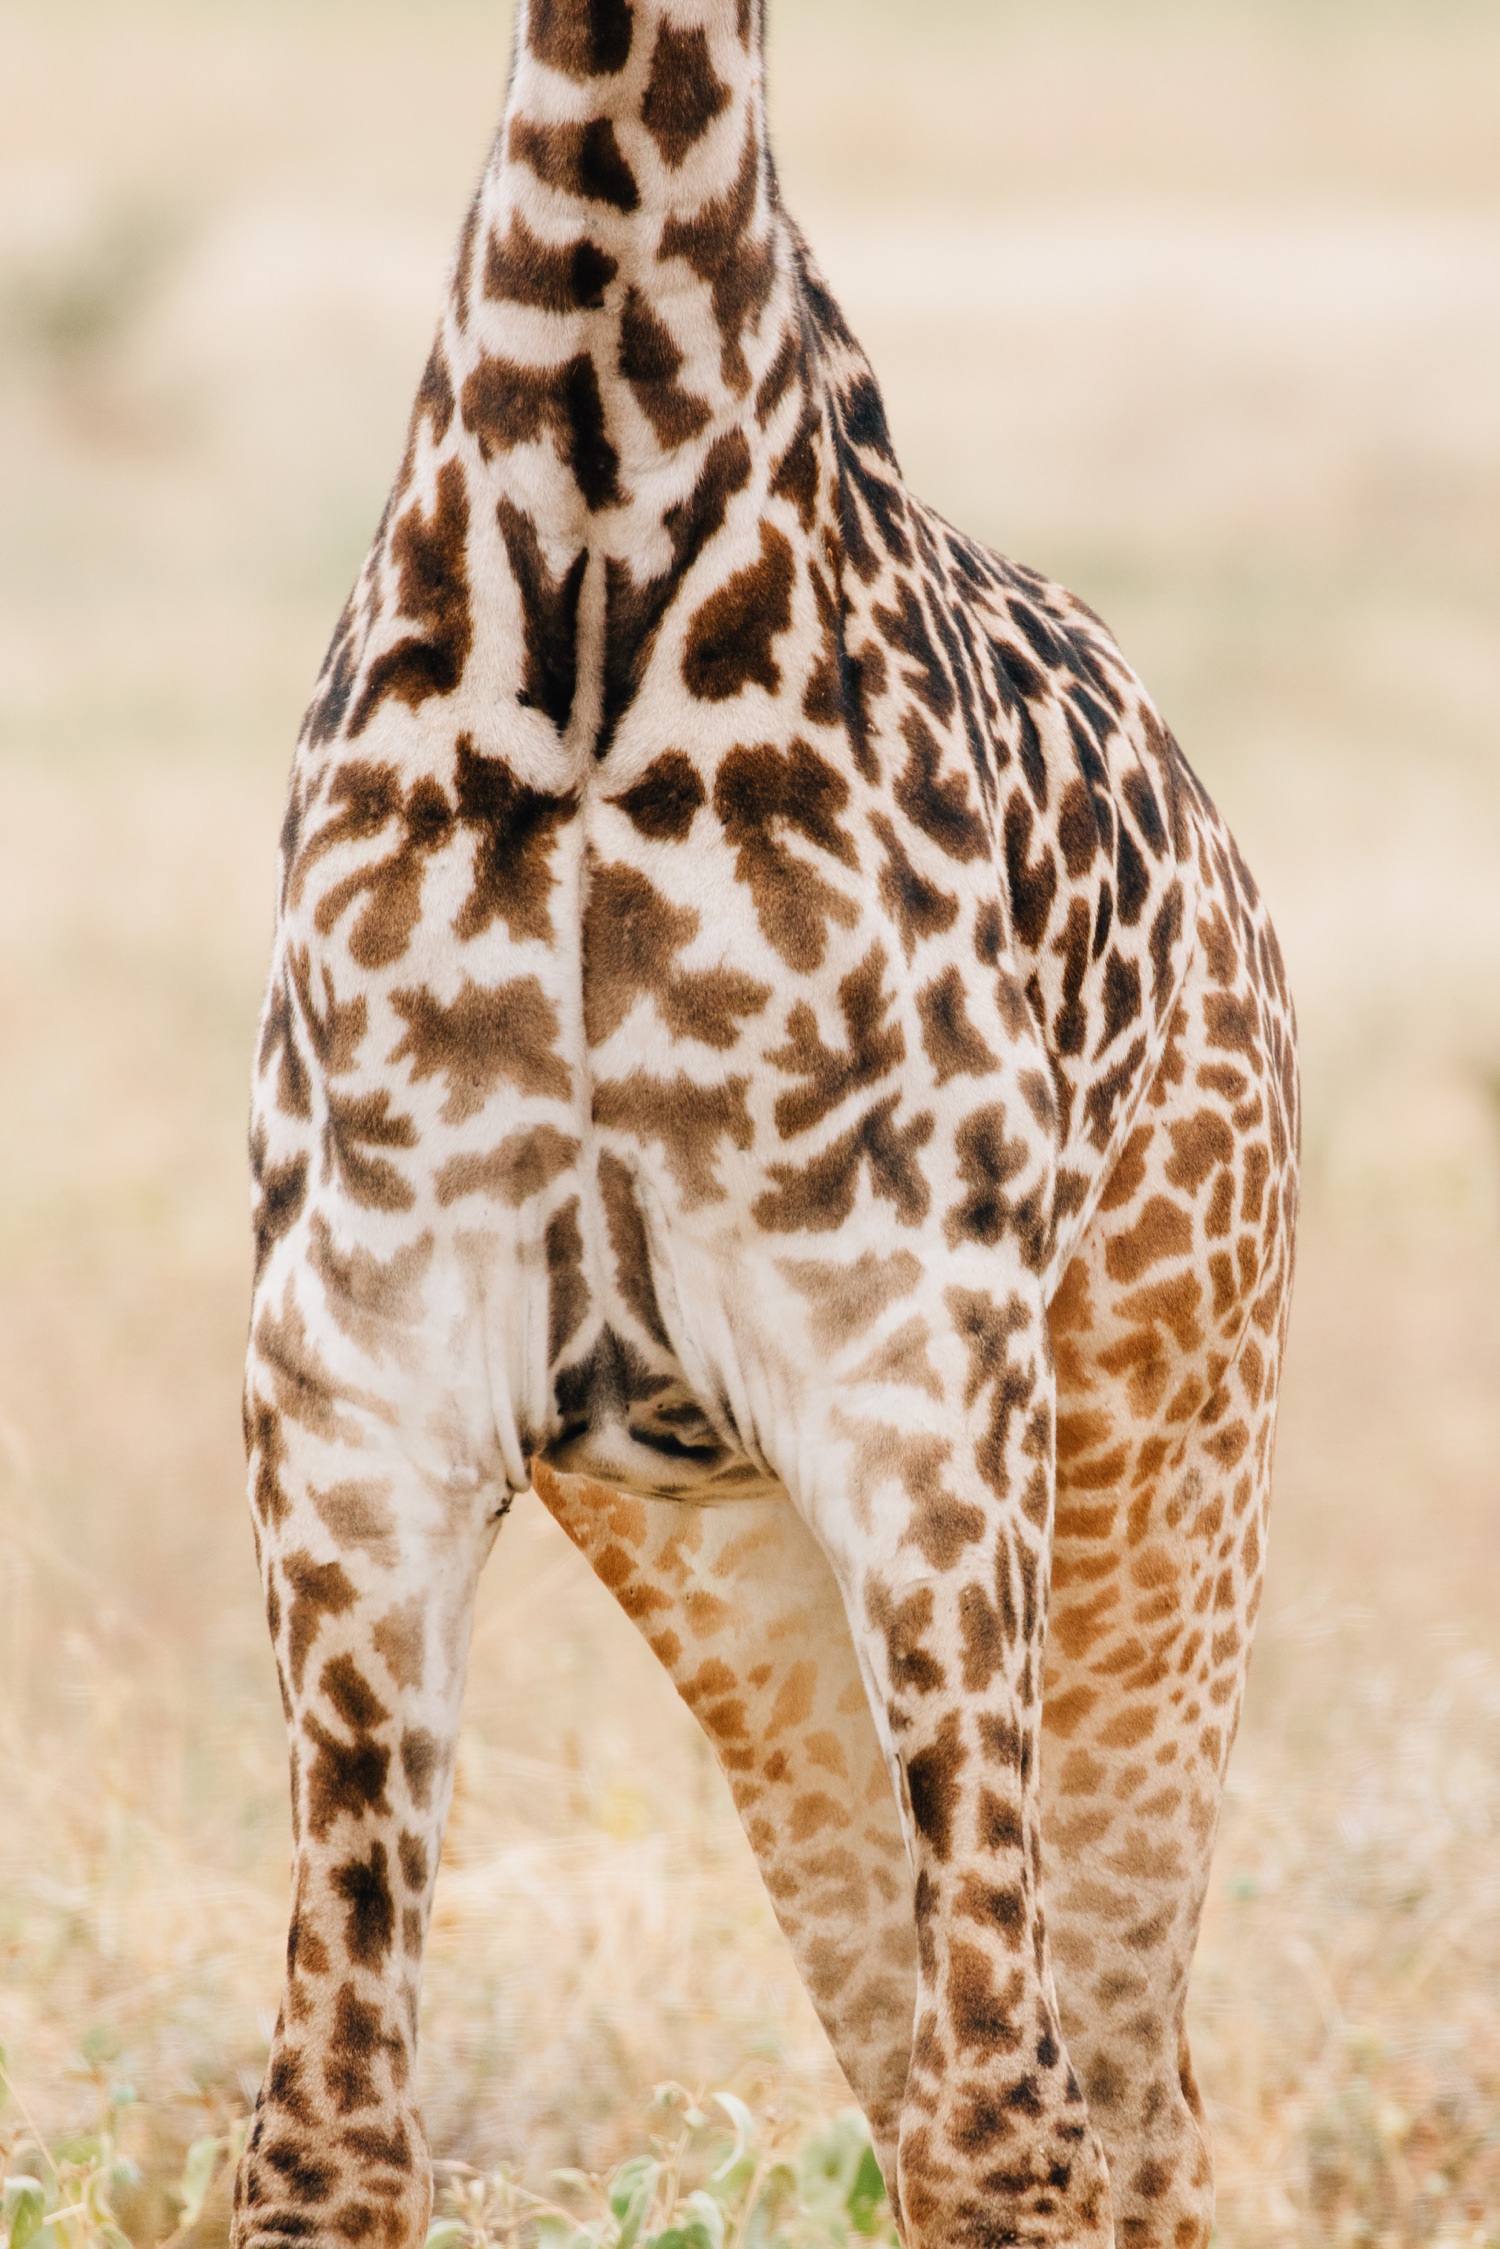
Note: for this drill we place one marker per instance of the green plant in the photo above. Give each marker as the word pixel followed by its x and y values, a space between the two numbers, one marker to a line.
pixel 61 2195
pixel 703 2185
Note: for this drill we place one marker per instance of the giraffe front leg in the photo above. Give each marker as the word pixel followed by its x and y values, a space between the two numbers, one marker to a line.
pixel 370 1555
pixel 932 1494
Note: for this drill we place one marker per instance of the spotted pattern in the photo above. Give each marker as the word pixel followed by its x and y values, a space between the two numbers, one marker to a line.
pixel 769 1043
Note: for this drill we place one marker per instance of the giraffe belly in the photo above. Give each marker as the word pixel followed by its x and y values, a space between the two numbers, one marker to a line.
pixel 639 1400
pixel 634 1459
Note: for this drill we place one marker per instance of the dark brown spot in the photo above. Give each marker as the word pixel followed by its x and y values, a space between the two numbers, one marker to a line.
pixel 505 405
pixel 627 1236
pixel 761 791
pixel 633 610
pixel 1164 1229
pixel 431 558
pixel 874 1048
pixel 685 1119
pixel 519 1168
pixel 796 475
pixel 581 38
pixel 989 1162
pixel 279 1038
pixel 903 1625
pixel 1032 882
pixel 515 829
pixel 524 270
pixel 577 160
pixel 920 908
pixel 997 1907
pixel 370 1925
pixel 631 939
pixel 1199 1145
pixel 319 1590
pixel 819 1196
pixel 999 1823
pixel 933 1777
pixel 369 797
pixel 650 362
pixel 1122 1000
pixel 988 1330
pixel 1078 830
pixel 942 1526
pixel 421 1762
pixel 731 638
pixel 344 1777
pixel 664 802
pixel 953 1045
pixel 982 2015
pixel 684 93
pixel 906 630
pixel 567 1289
pixel 1233 1024
pixel 508 1034
pixel 984 1638
pixel 353 1698
pixel 549 617
pixel 354 2042
pixel 939 807
pixel 779 377
pixel 300 2176
pixel 280 1197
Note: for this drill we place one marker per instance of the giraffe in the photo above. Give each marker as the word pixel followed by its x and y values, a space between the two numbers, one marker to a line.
pixel 769 1044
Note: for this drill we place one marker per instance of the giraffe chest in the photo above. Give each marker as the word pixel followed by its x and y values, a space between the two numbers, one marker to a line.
pixel 613 1028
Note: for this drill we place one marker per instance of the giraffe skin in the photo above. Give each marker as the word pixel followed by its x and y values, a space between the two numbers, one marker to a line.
pixel 769 1043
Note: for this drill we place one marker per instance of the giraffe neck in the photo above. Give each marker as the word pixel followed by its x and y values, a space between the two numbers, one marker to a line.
pixel 622 321
pixel 629 210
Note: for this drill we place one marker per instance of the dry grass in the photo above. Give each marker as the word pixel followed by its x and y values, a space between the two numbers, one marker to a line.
pixel 1200 309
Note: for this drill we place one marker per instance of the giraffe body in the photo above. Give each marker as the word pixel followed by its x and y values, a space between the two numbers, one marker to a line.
pixel 769 1043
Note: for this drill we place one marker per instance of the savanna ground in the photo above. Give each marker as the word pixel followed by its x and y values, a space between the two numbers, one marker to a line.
pixel 1197 307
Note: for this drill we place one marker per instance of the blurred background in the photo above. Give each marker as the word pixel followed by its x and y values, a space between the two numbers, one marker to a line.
pixel 1196 307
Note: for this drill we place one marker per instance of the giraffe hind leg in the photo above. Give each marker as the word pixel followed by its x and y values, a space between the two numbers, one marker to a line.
pixel 1167 1372
pixel 736 1600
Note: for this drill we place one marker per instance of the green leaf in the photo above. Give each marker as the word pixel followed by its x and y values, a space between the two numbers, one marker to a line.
pixel 707 2216
pixel 80 2153
pixel 866 2196
pixel 631 2194
pixel 779 2182
pixel 24 2203
pixel 777 2192
pixel 694 2236
pixel 445 2233
pixel 744 2131
pixel 554 2232
pixel 197 2177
